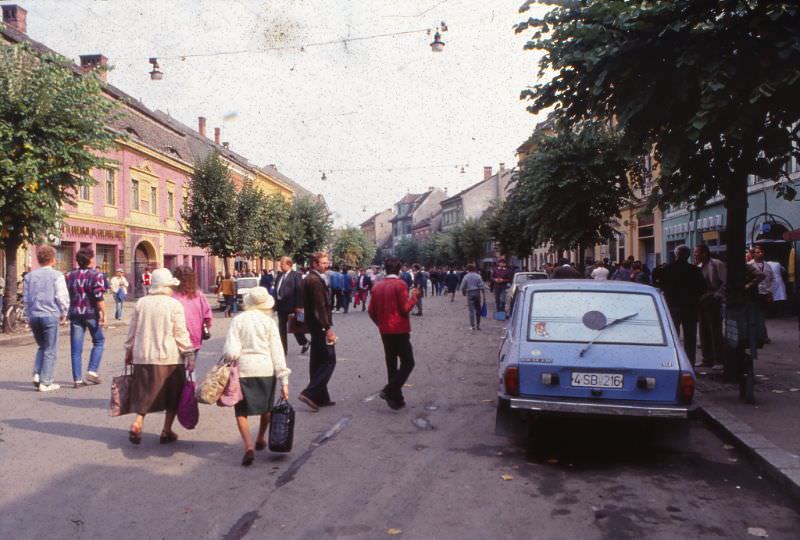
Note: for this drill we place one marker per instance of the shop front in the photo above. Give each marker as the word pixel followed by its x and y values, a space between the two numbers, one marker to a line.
pixel 106 240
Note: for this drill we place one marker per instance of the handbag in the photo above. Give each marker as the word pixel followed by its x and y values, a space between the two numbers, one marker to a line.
pixel 281 427
pixel 121 392
pixel 214 382
pixel 206 335
pixel 484 311
pixel 297 326
pixel 188 411
pixel 233 390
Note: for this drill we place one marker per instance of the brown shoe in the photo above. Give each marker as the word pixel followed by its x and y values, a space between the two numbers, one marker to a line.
pixel 166 438
pixel 261 445
pixel 248 458
pixel 305 399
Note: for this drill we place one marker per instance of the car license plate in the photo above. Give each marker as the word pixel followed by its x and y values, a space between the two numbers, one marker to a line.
pixel 597 380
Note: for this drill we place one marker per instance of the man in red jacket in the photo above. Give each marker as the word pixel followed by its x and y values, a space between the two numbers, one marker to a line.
pixel 389 309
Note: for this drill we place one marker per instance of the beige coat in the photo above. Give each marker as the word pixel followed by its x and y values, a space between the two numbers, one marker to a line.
pixel 254 341
pixel 158 332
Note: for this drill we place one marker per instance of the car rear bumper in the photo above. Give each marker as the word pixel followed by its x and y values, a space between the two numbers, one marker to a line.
pixel 595 408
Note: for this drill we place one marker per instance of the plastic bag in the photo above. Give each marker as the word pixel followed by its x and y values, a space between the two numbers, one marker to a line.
pixel 281 427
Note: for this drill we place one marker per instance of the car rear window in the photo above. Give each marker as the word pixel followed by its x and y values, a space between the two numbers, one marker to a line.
pixel 584 316
pixel 247 283
pixel 521 278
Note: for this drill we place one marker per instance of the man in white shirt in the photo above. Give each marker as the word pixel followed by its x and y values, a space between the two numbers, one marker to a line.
pixel 119 288
pixel 600 272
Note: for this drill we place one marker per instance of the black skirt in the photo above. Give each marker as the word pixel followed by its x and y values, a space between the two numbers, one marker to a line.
pixel 259 394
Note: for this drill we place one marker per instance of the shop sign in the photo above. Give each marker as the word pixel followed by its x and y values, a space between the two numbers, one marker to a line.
pixel 96 232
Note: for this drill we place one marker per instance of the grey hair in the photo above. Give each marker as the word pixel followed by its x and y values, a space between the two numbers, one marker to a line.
pixel 682 251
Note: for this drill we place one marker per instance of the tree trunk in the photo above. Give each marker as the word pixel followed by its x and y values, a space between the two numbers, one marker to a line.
pixel 10 294
pixel 226 265
pixel 736 242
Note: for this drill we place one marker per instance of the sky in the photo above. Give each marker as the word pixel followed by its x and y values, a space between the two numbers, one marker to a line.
pixel 381 117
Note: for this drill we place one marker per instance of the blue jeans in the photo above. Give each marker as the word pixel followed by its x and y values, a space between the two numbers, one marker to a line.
pixel 118 312
pixel 45 331
pixel 77 328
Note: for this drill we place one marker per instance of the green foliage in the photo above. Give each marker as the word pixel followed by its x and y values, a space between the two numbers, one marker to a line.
pixel 472 239
pixel 272 223
pixel 248 225
pixel 309 229
pixel 211 217
pixel 568 190
pixel 53 131
pixel 352 248
pixel 407 250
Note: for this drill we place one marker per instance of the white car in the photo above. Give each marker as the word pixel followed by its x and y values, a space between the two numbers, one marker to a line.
pixel 520 279
pixel 243 286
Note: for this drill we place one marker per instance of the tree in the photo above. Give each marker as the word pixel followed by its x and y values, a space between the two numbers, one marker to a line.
pixel 712 85
pixel 272 223
pixel 210 219
pixel 352 248
pixel 569 189
pixel 309 228
pixel 53 130
pixel 249 202
pixel 472 240
pixel 504 221
pixel 407 250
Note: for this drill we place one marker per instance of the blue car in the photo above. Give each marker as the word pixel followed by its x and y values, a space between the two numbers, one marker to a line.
pixel 594 348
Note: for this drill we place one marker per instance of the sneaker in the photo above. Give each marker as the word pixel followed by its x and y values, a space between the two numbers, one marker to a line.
pixel 79 383
pixel 91 377
pixel 49 387
pixel 36 380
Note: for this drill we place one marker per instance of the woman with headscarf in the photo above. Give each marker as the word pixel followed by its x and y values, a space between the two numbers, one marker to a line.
pixel 158 345
pixel 254 342
pixel 195 306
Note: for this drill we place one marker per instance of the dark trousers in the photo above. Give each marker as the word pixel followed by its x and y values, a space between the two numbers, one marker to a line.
pixel 346 300
pixel 397 347
pixel 685 319
pixel 321 363
pixel 283 323
pixel 710 317
pixel 336 300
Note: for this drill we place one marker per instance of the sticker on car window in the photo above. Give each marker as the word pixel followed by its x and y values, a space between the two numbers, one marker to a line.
pixel 541 329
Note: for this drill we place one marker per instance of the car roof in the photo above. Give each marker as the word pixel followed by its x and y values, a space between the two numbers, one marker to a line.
pixel 588 285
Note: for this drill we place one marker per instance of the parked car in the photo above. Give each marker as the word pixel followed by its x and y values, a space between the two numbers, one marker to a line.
pixel 590 348
pixel 243 286
pixel 520 279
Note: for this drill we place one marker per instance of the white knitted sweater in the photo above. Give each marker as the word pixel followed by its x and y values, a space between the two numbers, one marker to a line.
pixel 254 341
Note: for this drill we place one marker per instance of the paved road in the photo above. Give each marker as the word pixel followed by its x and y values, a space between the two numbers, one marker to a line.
pixel 360 470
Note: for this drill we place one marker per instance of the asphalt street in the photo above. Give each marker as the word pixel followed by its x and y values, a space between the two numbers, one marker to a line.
pixel 359 469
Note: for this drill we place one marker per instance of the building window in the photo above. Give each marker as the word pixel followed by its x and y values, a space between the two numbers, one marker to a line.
pixel 170 204
pixel 153 200
pixel 85 193
pixel 111 187
pixel 135 194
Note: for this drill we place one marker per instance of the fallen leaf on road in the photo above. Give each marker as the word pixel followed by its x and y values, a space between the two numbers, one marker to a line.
pixel 487 401
pixel 507 477
pixel 778 391
pixel 727 447
pixel 794 389
pixel 408 386
pixel 499 453
pixel 552 461
pixel 758 532
pixel 733 460
pixel 394 532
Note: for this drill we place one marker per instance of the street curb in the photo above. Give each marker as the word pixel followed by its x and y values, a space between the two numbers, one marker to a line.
pixel 775 462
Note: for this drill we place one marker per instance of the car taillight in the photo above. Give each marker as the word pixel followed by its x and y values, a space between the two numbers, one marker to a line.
pixel 686 391
pixel 511 380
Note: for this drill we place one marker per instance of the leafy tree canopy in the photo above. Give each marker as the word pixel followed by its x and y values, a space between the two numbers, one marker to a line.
pixel 309 228
pixel 472 239
pixel 352 248
pixel 272 223
pixel 53 131
pixel 210 218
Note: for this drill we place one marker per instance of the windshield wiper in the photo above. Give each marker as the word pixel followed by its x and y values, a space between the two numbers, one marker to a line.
pixel 603 329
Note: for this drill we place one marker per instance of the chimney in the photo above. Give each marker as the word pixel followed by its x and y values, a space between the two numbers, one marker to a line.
pixel 226 144
pixel 487 173
pixel 216 135
pixel 502 167
pixel 16 17
pixel 201 125
pixel 90 62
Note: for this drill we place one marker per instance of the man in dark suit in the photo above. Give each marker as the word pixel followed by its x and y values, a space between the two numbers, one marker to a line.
pixel 566 271
pixel 683 285
pixel 322 360
pixel 289 302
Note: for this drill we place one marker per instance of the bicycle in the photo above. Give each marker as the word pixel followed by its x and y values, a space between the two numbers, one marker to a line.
pixel 15 314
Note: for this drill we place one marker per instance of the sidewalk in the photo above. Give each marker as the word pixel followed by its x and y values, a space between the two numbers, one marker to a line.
pixel 769 431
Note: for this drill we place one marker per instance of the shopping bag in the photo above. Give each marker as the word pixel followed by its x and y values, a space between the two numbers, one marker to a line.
pixel 281 427
pixel 214 382
pixel 233 390
pixel 188 411
pixel 484 311
pixel 296 326
pixel 120 392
